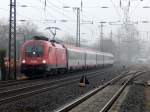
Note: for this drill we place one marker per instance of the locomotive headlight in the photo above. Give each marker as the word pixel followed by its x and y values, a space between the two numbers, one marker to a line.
pixel 34 53
pixel 23 61
pixel 44 61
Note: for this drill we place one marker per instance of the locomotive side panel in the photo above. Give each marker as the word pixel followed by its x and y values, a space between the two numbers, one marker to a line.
pixel 61 60
pixel 51 57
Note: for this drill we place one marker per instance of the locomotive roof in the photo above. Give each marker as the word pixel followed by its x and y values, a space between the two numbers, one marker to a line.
pixel 40 38
pixel 37 41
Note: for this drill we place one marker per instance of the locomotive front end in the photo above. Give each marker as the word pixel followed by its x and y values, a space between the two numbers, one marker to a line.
pixel 33 59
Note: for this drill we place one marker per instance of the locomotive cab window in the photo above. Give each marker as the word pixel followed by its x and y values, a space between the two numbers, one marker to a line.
pixel 34 50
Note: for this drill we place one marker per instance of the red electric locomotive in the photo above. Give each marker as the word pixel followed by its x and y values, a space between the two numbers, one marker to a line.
pixel 39 56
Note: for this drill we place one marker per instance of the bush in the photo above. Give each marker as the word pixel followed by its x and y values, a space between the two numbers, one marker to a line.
pixel 2 63
pixel 2 56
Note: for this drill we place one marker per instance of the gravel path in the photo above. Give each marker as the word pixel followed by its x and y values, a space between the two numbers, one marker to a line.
pixel 98 101
pixel 135 100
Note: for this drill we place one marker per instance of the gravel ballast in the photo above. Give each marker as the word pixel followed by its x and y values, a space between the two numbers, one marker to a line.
pixel 134 101
pixel 98 101
pixel 50 100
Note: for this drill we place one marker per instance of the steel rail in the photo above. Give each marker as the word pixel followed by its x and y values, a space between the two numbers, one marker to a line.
pixel 81 99
pixel 45 83
pixel 4 84
pixel 118 93
pixel 27 91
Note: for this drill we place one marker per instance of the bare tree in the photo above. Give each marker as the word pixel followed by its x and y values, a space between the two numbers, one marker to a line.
pixel 3 35
pixel 68 39
pixel 128 44
pixel 23 31
pixel 28 29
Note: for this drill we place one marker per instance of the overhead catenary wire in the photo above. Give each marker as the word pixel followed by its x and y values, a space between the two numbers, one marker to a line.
pixel 87 27
pixel 54 7
pixel 116 9
pixel 135 8
pixel 57 9
pixel 43 21
pixel 28 19
pixel 16 12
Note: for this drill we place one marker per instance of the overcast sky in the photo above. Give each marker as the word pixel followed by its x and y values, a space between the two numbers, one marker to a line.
pixel 91 11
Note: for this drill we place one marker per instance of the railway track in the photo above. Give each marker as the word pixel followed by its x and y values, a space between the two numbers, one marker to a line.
pixel 15 94
pixel 108 105
pixel 117 94
pixel 4 84
pixel 12 82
